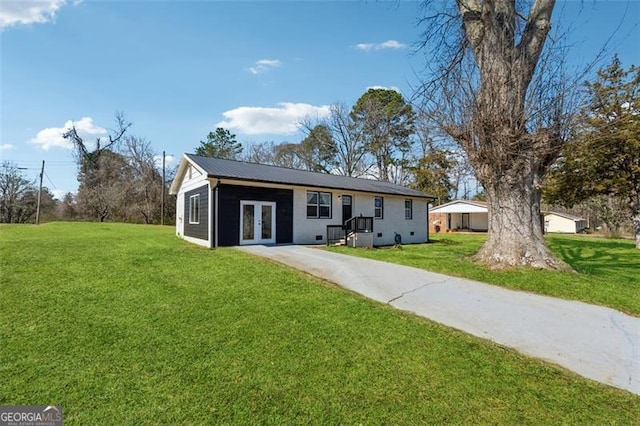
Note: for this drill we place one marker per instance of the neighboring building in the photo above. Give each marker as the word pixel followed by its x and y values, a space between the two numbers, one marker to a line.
pixel 459 215
pixel 229 203
pixel 563 223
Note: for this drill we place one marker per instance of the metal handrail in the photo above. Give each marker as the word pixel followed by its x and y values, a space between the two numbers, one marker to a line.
pixel 356 224
pixel 359 224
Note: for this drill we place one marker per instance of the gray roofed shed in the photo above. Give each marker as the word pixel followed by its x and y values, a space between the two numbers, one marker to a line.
pixel 230 169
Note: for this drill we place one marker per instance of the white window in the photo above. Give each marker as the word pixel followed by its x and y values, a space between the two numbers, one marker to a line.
pixel 194 209
pixel 408 209
pixel 318 205
pixel 378 207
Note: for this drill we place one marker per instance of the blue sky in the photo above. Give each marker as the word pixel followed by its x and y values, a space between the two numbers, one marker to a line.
pixel 179 69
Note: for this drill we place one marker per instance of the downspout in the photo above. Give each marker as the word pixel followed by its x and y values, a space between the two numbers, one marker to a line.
pixel 212 218
pixel 215 223
pixel 428 221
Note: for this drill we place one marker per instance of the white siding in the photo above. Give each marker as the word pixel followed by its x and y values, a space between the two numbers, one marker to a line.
pixel 479 221
pixel 197 180
pixel 394 222
pixel 555 223
pixel 306 230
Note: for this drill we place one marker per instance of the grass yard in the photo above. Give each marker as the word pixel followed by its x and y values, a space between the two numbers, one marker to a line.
pixel 607 270
pixel 126 324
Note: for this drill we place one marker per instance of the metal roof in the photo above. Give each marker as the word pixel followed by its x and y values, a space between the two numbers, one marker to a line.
pixel 230 169
pixel 461 206
pixel 565 215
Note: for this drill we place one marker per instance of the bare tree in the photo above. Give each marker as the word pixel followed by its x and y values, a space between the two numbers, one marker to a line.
pixel 261 153
pixel 505 100
pixel 14 191
pixel 351 153
pixel 287 155
pixel 145 188
pixel 101 171
pixel 460 173
pixel 67 209
pixel 103 191
pixel 84 152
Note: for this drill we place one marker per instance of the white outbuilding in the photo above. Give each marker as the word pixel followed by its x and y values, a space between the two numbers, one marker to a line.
pixel 563 223
pixel 459 215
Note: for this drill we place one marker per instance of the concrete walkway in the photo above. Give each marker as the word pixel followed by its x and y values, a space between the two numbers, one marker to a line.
pixel 596 342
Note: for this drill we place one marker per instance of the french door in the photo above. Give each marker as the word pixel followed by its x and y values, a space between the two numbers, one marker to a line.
pixel 257 222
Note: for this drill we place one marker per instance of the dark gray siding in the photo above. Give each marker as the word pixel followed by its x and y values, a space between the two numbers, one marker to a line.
pixel 199 230
pixel 229 197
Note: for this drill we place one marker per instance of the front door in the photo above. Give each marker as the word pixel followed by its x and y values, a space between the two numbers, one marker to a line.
pixel 347 212
pixel 257 222
pixel 465 220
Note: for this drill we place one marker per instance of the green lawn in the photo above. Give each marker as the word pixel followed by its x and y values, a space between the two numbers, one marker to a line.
pixel 126 324
pixel 607 271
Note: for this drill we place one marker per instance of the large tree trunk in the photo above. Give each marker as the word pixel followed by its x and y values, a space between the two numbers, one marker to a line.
pixel 515 236
pixel 509 155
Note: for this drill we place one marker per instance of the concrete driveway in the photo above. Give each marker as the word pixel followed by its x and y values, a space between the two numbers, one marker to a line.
pixel 596 342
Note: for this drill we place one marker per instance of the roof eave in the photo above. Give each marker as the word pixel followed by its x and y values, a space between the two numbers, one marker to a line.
pixel 213 176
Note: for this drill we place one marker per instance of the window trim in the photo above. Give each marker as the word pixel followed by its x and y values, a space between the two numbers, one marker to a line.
pixel 381 208
pixel 408 209
pixel 194 207
pixel 318 205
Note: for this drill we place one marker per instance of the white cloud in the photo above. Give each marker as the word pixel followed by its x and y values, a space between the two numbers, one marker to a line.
pixel 24 12
pixel 389 44
pixel 6 147
pixel 385 88
pixel 168 160
pixel 283 120
pixel 52 136
pixel 264 65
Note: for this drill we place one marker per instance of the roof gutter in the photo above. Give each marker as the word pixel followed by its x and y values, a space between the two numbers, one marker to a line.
pixel 424 196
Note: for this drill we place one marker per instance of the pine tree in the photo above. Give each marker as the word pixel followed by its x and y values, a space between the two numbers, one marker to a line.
pixel 604 157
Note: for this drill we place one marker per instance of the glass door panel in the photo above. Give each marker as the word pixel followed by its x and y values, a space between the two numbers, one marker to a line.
pixel 267 222
pixel 257 222
pixel 248 221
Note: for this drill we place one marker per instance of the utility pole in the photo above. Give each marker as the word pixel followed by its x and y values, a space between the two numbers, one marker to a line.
pixel 39 195
pixel 163 182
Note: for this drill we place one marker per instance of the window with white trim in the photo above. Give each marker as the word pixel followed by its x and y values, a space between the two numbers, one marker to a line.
pixel 408 209
pixel 194 209
pixel 378 207
pixel 318 205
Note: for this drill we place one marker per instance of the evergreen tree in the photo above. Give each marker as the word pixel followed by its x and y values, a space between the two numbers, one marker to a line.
pixel 220 144
pixel 603 159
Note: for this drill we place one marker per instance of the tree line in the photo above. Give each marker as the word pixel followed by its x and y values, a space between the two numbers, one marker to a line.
pixel 381 136
pixel 119 180
pixel 498 90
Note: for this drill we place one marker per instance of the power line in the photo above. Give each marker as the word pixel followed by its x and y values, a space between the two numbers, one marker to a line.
pixel 52 184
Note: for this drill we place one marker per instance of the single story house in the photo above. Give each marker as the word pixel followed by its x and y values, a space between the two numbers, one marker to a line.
pixel 563 223
pixel 459 215
pixel 229 203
